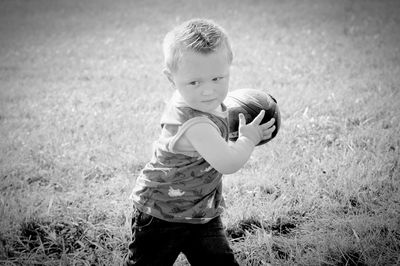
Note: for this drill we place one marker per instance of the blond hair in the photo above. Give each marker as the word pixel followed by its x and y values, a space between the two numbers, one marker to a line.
pixel 199 35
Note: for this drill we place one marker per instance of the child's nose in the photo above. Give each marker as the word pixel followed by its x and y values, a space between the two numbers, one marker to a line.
pixel 208 90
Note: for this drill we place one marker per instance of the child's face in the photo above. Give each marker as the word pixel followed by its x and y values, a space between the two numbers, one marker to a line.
pixel 202 79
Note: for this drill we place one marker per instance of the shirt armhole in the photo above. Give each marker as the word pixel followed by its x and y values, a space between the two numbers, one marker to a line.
pixel 182 129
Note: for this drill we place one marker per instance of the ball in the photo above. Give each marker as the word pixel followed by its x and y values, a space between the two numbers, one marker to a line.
pixel 250 102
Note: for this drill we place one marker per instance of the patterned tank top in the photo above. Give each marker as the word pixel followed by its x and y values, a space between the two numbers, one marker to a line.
pixel 179 185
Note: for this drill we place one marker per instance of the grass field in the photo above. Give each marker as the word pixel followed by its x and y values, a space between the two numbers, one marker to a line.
pixel 81 92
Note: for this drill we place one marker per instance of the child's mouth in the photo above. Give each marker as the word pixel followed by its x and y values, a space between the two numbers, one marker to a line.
pixel 208 101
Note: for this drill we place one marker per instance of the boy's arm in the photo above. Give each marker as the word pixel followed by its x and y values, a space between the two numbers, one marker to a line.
pixel 228 158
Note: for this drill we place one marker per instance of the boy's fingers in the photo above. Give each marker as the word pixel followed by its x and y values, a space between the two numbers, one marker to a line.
pixel 268 133
pixel 270 130
pixel 256 121
pixel 270 123
pixel 242 120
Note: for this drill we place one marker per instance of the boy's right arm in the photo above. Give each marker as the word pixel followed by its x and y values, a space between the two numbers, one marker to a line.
pixel 228 158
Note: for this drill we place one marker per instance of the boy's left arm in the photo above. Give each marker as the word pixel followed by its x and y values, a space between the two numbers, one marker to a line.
pixel 228 158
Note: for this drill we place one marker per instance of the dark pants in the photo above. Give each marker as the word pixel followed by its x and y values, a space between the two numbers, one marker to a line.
pixel 157 242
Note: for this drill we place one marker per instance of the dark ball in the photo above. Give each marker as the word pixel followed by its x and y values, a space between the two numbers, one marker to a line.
pixel 250 102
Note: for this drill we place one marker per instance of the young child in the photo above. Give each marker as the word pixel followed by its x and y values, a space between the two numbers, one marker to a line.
pixel 178 195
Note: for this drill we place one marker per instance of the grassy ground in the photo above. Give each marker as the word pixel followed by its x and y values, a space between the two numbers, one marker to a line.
pixel 81 91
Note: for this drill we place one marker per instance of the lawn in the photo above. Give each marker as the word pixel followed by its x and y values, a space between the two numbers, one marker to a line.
pixel 82 90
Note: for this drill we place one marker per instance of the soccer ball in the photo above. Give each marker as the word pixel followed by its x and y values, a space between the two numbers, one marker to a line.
pixel 250 102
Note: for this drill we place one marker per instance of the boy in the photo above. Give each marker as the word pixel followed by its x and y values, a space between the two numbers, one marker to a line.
pixel 178 195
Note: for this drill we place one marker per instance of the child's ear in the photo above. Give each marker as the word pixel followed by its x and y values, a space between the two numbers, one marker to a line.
pixel 168 74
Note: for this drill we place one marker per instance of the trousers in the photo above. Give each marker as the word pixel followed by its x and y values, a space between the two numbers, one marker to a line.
pixel 158 242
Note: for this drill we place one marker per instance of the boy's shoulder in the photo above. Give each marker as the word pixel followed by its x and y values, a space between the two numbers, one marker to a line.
pixel 177 112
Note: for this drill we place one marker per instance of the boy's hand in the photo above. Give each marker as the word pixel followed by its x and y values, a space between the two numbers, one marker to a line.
pixel 254 131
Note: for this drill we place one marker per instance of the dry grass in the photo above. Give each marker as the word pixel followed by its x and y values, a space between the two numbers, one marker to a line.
pixel 81 91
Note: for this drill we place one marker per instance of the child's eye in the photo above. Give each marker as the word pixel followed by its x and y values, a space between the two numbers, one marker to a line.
pixel 217 78
pixel 194 83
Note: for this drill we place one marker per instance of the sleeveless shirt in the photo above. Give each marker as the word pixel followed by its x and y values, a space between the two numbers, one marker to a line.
pixel 180 185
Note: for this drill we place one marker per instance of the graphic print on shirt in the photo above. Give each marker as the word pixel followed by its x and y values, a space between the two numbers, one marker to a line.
pixel 175 192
